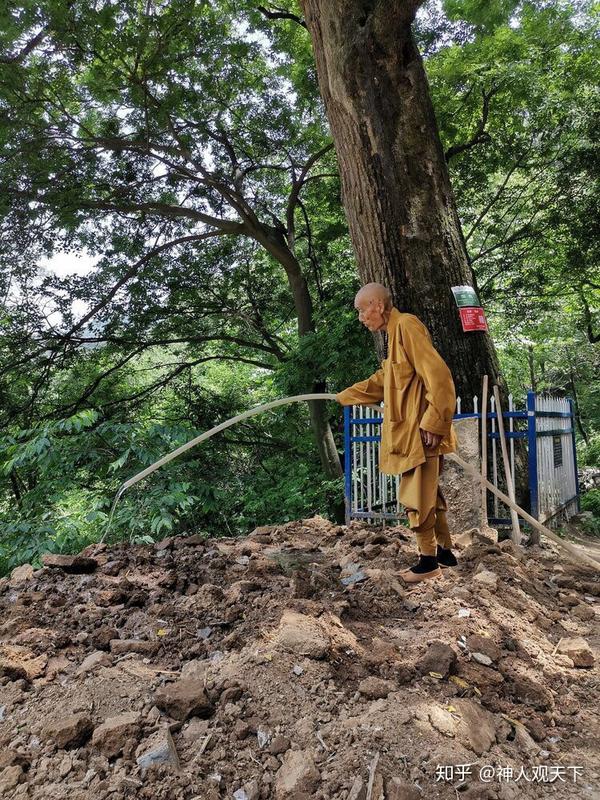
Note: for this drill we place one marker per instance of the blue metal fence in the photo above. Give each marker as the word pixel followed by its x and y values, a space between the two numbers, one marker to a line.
pixel 549 434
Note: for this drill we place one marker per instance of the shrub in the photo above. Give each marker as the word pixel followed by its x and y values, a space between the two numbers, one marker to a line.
pixel 590 501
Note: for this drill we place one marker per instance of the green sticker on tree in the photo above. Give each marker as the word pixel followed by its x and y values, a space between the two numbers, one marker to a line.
pixel 465 296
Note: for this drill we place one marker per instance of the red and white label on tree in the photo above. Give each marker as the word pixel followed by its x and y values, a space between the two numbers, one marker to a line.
pixel 473 319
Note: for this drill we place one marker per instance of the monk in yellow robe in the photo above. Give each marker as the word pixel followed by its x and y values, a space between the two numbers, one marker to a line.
pixel 419 402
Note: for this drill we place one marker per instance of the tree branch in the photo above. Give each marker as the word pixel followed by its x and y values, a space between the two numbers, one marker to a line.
pixel 164 209
pixel 186 340
pixel 298 183
pixel 594 338
pixel 91 388
pixel 281 13
pixel 131 272
pixel 181 368
pixel 480 135
pixel 17 58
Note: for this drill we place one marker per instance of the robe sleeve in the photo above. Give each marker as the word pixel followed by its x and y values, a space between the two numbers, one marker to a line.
pixel 440 392
pixel 363 392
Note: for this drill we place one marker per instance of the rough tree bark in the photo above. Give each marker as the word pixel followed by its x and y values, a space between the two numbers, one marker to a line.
pixel 395 185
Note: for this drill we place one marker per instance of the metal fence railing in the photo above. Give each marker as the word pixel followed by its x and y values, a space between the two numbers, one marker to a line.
pixel 547 425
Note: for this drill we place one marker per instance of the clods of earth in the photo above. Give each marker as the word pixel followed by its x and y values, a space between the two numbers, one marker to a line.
pixel 295 663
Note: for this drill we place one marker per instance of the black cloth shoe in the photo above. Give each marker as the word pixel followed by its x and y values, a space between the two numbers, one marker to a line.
pixel 426 564
pixel 445 557
pixel 425 569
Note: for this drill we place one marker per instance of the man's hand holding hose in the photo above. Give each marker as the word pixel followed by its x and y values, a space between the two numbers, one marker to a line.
pixel 430 439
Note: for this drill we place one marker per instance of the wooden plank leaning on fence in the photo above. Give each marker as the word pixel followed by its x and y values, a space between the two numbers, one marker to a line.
pixel 484 397
pixel 516 531
pixel 577 554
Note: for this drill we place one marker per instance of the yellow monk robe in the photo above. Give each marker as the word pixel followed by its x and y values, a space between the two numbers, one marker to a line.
pixel 418 392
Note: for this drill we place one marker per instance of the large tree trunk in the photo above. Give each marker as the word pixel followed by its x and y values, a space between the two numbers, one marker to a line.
pixel 395 185
pixel 396 189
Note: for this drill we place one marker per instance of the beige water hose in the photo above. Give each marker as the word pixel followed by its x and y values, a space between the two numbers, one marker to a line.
pixel 297 398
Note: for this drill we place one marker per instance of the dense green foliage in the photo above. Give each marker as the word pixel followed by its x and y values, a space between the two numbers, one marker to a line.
pixel 183 147
pixel 590 503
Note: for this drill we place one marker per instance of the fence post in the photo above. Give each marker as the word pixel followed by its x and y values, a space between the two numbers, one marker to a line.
pixel 572 410
pixel 532 455
pixel 347 463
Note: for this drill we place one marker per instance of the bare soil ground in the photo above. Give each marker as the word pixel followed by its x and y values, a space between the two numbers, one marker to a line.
pixel 294 663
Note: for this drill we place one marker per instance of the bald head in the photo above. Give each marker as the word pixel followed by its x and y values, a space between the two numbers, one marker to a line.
pixel 374 305
pixel 373 292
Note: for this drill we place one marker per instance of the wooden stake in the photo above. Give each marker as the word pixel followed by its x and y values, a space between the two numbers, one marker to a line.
pixel 577 554
pixel 516 535
pixel 557 646
pixel 484 397
pixel 372 769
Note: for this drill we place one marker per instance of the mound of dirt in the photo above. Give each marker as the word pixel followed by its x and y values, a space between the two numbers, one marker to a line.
pixel 296 664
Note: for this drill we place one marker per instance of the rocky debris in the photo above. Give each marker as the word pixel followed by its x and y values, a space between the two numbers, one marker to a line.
pixel 241 729
pixel 525 742
pixel 183 699
pixel 8 758
pixel 262 534
pixel 197 727
pixel 375 688
pixel 72 564
pixel 399 789
pixel 113 596
pixel 486 578
pixel 529 691
pixel 352 573
pixel 20 662
pixel 358 789
pixel 120 646
pixel 477 727
pixel 102 637
pixel 36 637
pixel 249 791
pixel 481 658
pixel 96 659
pixel 280 744
pixel 21 574
pixel 483 649
pixel 485 534
pixel 442 720
pixel 195 669
pixel 583 611
pixel 465 720
pixel 243 667
pixel 112 735
pixel 72 730
pixel 589 478
pixel 56 665
pixel 238 590
pixel 10 777
pixel 578 650
pixel 159 749
pixel 385 580
pixel 439 658
pixel 301 635
pixel 298 773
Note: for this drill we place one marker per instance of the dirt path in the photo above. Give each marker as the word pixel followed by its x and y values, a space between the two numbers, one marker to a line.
pixel 591 544
pixel 295 664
